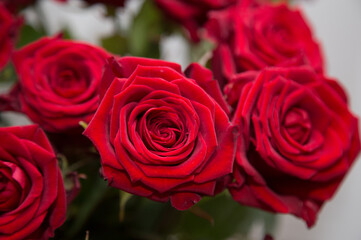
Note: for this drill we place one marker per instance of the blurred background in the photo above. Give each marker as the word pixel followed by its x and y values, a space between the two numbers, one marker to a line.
pixel 337 24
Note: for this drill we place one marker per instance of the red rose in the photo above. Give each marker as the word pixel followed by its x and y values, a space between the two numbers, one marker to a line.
pixel 8 29
pixel 159 134
pixel 299 140
pixel 192 14
pixel 58 82
pixel 32 196
pixel 254 37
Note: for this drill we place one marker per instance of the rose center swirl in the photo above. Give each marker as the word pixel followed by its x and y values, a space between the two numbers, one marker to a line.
pixel 68 82
pixel 67 79
pixel 161 129
pixel 282 38
pixel 281 33
pixel 298 125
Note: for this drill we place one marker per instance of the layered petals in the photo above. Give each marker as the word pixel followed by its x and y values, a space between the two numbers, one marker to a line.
pixel 298 140
pixel 32 195
pixel 58 82
pixel 254 36
pixel 192 14
pixel 160 134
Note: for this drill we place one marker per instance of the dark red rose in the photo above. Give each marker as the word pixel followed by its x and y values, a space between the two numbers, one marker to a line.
pixel 159 134
pixel 257 36
pixel 8 30
pixel 192 14
pixel 58 82
pixel 32 196
pixel 298 141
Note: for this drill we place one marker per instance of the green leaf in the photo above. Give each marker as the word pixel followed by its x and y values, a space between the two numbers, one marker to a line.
pixel 29 34
pixel 93 198
pixel 196 210
pixel 65 33
pixel 146 31
pixel 116 44
pixel 230 219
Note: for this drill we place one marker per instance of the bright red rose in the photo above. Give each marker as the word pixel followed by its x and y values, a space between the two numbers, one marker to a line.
pixel 254 37
pixel 58 82
pixel 160 134
pixel 192 14
pixel 298 141
pixel 32 196
pixel 8 31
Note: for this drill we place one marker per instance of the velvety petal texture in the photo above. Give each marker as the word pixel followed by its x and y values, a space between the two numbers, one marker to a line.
pixel 253 36
pixel 58 82
pixel 32 195
pixel 9 26
pixel 192 14
pixel 160 134
pixel 298 140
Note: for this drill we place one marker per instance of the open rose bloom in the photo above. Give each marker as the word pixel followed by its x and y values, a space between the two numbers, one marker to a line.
pixel 58 83
pixel 298 140
pixel 160 134
pixel 253 122
pixel 252 37
pixel 32 196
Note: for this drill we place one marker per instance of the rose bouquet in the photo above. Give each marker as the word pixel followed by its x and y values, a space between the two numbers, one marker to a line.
pixel 253 127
